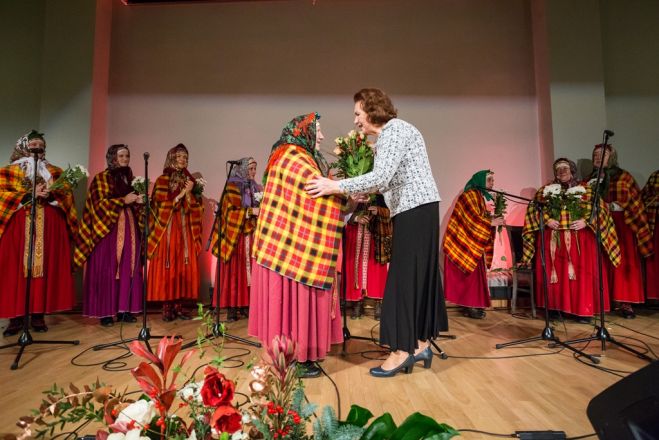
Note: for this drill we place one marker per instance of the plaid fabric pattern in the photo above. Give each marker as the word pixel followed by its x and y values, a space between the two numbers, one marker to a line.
pixel 162 208
pixel 99 216
pixel 607 227
pixel 234 222
pixel 382 229
pixel 624 191
pixel 469 234
pixel 297 236
pixel 650 195
pixel 14 186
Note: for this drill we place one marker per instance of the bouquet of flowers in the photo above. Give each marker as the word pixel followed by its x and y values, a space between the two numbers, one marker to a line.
pixel 355 155
pixel 198 188
pixel 500 207
pixel 139 184
pixel 573 201
pixel 70 178
pixel 553 196
pixel 258 196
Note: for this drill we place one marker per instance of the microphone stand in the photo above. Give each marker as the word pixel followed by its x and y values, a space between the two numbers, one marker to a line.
pixel 144 333
pixel 601 333
pixel 25 338
pixel 219 328
pixel 548 332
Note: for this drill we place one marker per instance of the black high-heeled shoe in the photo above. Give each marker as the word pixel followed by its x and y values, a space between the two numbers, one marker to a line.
pixel 425 356
pixel 407 366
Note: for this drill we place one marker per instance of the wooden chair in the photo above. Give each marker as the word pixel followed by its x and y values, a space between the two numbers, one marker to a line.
pixel 523 280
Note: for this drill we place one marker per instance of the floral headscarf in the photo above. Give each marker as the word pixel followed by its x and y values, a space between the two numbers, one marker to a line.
pixel 300 131
pixel 479 181
pixel 573 170
pixel 122 177
pixel 177 177
pixel 22 149
pixel 240 177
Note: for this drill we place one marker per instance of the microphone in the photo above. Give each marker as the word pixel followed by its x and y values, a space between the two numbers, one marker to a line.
pixel 233 162
pixel 36 150
pixel 609 133
pixel 146 155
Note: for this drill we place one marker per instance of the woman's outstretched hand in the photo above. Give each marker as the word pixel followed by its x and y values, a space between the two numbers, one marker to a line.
pixel 322 186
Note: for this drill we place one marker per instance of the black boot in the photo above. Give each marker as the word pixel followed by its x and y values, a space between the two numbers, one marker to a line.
pixel 378 310
pixel 181 313
pixel 308 370
pixel 232 314
pixel 168 312
pixel 38 323
pixel 15 326
pixel 357 310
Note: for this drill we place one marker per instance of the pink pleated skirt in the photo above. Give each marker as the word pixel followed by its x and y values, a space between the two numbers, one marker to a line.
pixel 281 306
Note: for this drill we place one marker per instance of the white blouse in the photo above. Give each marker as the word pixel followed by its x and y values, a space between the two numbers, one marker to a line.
pixel 401 171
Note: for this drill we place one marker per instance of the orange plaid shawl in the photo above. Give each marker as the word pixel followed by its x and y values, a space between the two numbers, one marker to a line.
pixel 469 234
pixel 234 222
pixel 650 195
pixel 607 228
pixel 99 216
pixel 14 185
pixel 297 236
pixel 624 191
pixel 162 208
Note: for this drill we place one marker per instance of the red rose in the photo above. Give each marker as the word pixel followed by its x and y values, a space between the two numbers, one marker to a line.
pixel 217 389
pixel 226 419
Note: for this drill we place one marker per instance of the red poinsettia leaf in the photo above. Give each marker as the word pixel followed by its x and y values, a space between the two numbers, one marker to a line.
pixel 139 349
pixel 167 398
pixel 148 379
pixel 168 348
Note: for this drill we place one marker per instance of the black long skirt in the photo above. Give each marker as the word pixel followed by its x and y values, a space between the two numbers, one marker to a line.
pixel 413 306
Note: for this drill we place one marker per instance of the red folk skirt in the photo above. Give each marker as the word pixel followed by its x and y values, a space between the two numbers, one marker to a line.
pixel 171 277
pixel 626 280
pixel 49 293
pixel 232 276
pixel 578 296
pixel 467 290
pixel 358 285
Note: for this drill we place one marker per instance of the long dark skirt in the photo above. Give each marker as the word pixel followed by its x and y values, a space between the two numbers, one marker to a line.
pixel 413 307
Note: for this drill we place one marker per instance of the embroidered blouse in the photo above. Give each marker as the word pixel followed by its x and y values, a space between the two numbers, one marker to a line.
pixel 401 171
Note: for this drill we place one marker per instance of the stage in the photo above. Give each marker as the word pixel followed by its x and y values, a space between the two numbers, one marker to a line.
pixel 478 387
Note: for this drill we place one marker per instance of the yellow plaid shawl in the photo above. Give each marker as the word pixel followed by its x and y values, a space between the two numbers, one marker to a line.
pixel 607 227
pixel 651 199
pixel 297 236
pixel 624 191
pixel 14 186
pixel 162 208
pixel 99 216
pixel 469 234
pixel 234 222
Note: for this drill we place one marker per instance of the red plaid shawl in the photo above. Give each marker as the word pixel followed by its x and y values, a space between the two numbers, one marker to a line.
pixel 162 207
pixel 651 199
pixel 234 222
pixel 297 236
pixel 14 186
pixel 469 234
pixel 607 228
pixel 624 191
pixel 99 216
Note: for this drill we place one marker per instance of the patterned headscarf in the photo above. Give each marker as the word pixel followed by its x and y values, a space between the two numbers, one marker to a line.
pixel 240 177
pixel 177 177
pixel 573 171
pixel 479 181
pixel 300 131
pixel 22 149
pixel 122 177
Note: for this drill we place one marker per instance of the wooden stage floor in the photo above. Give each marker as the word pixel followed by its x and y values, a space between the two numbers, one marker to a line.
pixel 529 387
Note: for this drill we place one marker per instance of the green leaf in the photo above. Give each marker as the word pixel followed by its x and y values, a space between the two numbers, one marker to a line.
pixel 417 426
pixel 381 428
pixel 358 416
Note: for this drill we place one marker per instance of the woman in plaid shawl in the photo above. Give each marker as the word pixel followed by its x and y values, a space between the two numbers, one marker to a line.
pixel 368 251
pixel 110 243
pixel 296 244
pixel 55 227
pixel 650 198
pixel 570 249
pixel 175 237
pixel 623 197
pixel 239 210
pixel 469 246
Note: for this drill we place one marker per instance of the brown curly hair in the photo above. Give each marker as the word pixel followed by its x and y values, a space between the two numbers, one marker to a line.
pixel 377 105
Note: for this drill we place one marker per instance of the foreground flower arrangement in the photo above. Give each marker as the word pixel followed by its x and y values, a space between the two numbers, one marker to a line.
pixel 275 410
